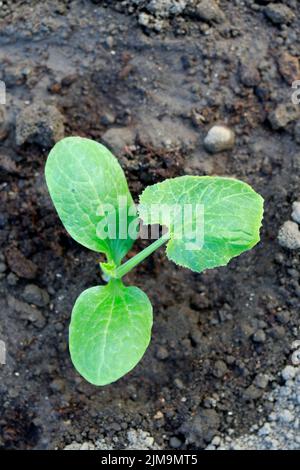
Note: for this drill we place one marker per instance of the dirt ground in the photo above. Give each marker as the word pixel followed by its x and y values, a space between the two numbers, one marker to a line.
pixel 147 78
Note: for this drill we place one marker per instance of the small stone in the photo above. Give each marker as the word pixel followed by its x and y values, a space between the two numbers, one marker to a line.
pixel 179 384
pixel 175 443
pixel 166 8
pixel 296 357
pixel 246 329
pixel 202 427
pixel 296 212
pixel 162 353
pixel 259 336
pixel 283 114
pixel 261 381
pixel 2 267
pixel 218 139
pixel 219 369
pixel 283 316
pixel 7 165
pixel 288 373
pixel 107 119
pixel 20 265
pixel 277 332
pixel 288 66
pixel 57 385
pixel 279 13
pixel 249 75
pixel 265 430
pixel 208 10
pixel 109 41
pixel 12 279
pixel 26 312
pixel 295 344
pixel 158 415
pixel 35 295
pixel 39 124
pixel 253 393
pixel 286 416
pixel 118 138
pixel 289 235
pixel 216 441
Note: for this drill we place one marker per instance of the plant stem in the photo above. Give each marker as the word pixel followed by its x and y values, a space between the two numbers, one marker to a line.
pixel 131 263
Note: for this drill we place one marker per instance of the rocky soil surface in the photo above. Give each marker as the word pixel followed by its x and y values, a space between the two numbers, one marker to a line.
pixel 150 79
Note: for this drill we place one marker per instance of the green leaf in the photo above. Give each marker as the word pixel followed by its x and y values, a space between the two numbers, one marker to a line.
pixel 84 178
pixel 226 223
pixel 110 331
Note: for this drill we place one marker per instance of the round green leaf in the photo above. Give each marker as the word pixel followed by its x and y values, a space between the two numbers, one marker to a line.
pixel 83 177
pixel 110 331
pixel 224 221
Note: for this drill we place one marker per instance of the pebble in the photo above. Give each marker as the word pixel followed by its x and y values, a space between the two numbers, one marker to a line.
pixel 2 267
pixel 162 353
pixel 283 114
pixel 216 441
pixel 35 295
pixel 288 373
pixel 219 138
pixel 259 336
pixel 288 66
pixel 295 344
pixel 279 13
pixel 249 75
pixel 158 415
pixel 202 427
pixel 253 393
pixel 39 124
pixel 283 316
pixel 7 165
pixel 208 10
pixel 175 443
pixel 289 235
pixel 19 264
pixel 296 357
pixel 57 385
pixel 261 381
pixel 219 369
pixel 26 312
pixel 12 279
pixel 179 384
pixel 296 212
pixel 286 416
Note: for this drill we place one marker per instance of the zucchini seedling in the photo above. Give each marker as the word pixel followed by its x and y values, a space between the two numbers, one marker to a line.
pixel 209 220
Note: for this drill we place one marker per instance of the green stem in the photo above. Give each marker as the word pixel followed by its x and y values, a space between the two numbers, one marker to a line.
pixel 131 263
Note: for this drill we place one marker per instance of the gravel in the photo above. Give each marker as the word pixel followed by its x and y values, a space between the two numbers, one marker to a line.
pixel 219 138
pixel 281 430
pixel 279 13
pixel 283 114
pixel 35 295
pixel 136 440
pixel 39 124
pixel 289 235
pixel 208 10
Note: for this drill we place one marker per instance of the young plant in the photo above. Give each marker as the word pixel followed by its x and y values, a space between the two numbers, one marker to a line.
pixel 111 325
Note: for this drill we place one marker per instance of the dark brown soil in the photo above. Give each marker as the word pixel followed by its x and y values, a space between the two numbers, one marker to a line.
pixel 93 62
